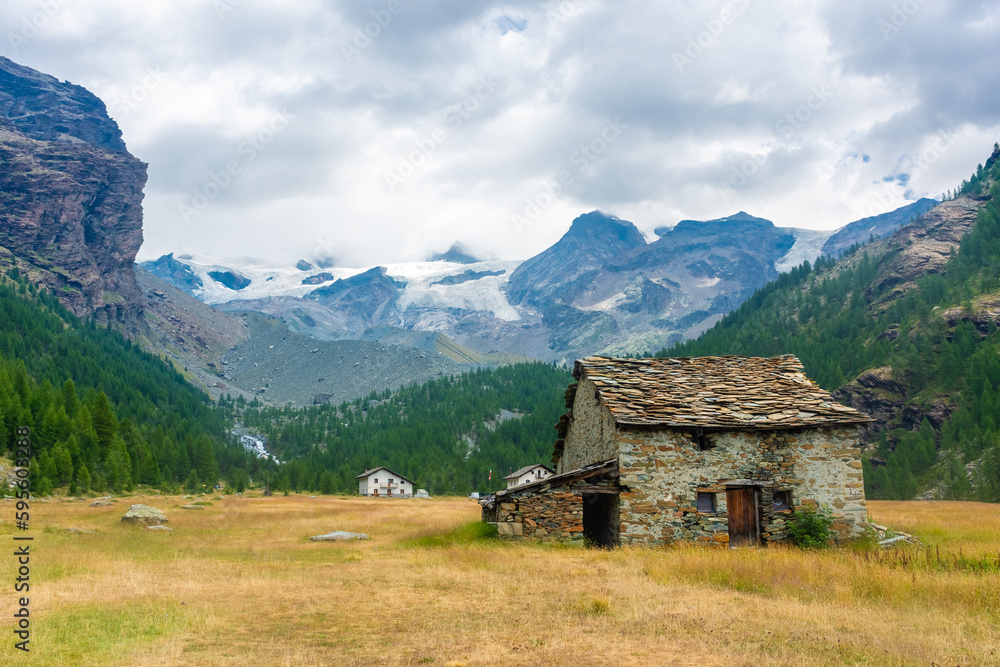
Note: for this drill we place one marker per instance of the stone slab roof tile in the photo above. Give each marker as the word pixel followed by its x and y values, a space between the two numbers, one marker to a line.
pixel 713 392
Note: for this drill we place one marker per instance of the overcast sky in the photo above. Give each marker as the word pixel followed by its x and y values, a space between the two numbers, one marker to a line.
pixel 380 131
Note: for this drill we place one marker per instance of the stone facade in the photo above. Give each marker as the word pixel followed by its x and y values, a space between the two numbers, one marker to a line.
pixel 662 472
pixel 591 429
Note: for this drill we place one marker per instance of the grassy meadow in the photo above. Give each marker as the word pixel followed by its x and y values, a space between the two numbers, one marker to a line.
pixel 239 583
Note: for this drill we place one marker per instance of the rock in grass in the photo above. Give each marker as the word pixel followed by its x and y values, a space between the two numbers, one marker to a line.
pixel 192 507
pixel 144 514
pixel 158 528
pixel 338 535
pixel 100 503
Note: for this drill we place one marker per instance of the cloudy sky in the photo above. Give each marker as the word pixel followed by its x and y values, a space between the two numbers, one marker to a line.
pixel 378 131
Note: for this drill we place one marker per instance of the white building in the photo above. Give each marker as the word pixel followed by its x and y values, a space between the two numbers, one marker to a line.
pixel 527 475
pixel 383 482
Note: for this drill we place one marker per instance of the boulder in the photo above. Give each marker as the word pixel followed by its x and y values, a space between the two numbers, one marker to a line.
pixel 100 503
pixel 158 528
pixel 192 507
pixel 144 514
pixel 338 535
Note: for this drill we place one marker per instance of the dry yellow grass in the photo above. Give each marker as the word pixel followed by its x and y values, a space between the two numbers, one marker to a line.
pixel 240 584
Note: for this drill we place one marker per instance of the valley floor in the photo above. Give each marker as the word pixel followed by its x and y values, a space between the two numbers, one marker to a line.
pixel 239 583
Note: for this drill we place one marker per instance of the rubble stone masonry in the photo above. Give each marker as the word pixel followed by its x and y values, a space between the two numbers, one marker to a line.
pixel 662 472
pixel 592 431
pixel 547 516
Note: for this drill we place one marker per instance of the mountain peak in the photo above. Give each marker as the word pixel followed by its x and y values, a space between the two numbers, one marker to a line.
pixel 695 225
pixel 457 253
pixel 598 225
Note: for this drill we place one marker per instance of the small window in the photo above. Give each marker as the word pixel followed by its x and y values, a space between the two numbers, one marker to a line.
pixel 782 500
pixel 706 503
pixel 703 442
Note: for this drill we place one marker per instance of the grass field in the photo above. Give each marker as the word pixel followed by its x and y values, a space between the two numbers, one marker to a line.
pixel 239 583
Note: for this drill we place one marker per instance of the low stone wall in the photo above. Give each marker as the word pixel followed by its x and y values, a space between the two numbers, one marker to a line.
pixel 546 515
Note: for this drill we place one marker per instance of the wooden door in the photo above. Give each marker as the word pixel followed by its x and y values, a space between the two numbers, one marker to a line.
pixel 741 507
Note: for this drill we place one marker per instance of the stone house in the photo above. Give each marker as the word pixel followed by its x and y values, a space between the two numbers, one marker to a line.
pixel 383 482
pixel 528 474
pixel 716 450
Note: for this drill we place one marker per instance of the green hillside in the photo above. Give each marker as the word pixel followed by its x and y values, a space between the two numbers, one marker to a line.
pixel 103 414
pixel 935 343
pixel 444 434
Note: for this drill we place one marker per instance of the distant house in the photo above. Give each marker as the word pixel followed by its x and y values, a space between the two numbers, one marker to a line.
pixel 527 475
pixel 710 450
pixel 383 482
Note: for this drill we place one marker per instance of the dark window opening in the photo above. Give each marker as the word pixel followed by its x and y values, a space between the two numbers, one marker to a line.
pixel 782 500
pixel 706 502
pixel 703 442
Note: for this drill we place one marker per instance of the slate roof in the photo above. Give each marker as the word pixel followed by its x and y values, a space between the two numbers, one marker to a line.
pixel 526 469
pixel 605 471
pixel 713 392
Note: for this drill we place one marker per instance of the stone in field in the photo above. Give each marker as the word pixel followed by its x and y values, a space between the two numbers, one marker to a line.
pixel 338 535
pixel 144 514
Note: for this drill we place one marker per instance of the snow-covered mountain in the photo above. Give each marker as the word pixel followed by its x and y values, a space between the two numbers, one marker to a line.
pixel 601 288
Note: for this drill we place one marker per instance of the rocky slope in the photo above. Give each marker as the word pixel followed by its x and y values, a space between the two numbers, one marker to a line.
pixel 70 195
pixel 192 334
pixel 860 231
pixel 914 251
pixel 923 246
pixel 281 366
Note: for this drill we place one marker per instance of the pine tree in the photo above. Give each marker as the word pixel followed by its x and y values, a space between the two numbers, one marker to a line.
pixel 192 484
pixel 83 480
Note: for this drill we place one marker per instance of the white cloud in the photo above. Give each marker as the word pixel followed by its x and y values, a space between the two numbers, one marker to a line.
pixel 770 111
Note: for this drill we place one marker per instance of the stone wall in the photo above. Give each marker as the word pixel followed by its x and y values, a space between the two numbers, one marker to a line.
pixel 592 434
pixel 664 470
pixel 554 515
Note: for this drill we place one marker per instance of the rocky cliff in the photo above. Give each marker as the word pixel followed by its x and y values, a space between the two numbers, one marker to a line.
pixel 923 247
pixel 70 195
